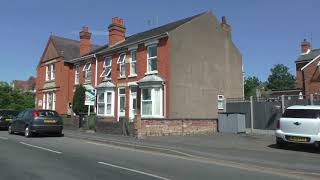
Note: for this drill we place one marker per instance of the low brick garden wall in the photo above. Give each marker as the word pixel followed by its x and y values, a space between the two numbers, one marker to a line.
pixel 109 126
pixel 162 127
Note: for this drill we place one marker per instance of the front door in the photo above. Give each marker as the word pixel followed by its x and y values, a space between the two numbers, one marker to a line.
pixel 122 102
pixel 133 102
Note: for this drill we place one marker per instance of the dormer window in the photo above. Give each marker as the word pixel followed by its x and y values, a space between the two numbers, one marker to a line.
pixel 122 63
pixel 106 68
pixel 87 72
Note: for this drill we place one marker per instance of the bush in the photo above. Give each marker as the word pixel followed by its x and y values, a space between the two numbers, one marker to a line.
pixel 78 100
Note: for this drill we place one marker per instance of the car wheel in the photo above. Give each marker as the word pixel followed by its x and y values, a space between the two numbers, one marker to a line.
pixel 27 132
pixel 280 143
pixel 10 130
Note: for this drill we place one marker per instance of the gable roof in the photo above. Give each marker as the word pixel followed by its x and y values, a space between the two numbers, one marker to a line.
pixel 151 33
pixel 68 48
pixel 310 56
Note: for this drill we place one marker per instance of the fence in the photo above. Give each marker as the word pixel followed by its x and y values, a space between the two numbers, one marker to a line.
pixel 262 113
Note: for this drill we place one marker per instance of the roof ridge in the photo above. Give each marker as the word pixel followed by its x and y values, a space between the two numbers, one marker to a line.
pixel 68 39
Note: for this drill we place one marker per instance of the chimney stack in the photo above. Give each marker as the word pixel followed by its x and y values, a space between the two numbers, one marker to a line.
pixel 85 40
pixel 305 46
pixel 116 31
pixel 224 25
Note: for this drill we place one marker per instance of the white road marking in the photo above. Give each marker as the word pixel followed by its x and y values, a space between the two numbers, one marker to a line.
pixel 46 149
pixel 3 138
pixel 133 170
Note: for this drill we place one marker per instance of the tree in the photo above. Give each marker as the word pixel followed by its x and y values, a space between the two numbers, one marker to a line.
pixel 15 99
pixel 78 100
pixel 280 78
pixel 251 83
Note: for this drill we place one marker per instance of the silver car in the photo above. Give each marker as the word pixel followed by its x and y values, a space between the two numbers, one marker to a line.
pixel 299 124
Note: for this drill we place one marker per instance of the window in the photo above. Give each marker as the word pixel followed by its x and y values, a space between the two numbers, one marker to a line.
pixel 49 101
pixel 105 103
pixel 122 63
pixel 152 102
pixel 220 102
pixel 87 72
pixel 301 113
pixel 106 68
pixel 152 58
pixel 77 74
pixel 53 71
pixel 122 101
pixel 133 62
pixel 50 72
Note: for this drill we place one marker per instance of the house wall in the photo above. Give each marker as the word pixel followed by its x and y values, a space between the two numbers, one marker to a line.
pixel 203 63
pixel 311 76
pixel 299 75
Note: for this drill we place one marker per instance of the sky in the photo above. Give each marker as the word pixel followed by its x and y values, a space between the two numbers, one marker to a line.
pixel 266 32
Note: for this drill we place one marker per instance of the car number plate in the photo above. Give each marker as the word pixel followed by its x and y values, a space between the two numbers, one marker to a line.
pixel 49 121
pixel 297 139
pixel 8 120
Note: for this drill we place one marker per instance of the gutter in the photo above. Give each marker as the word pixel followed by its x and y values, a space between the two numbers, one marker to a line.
pixel 96 71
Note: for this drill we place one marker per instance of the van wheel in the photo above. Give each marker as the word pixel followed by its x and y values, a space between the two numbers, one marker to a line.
pixel 27 132
pixel 10 130
pixel 280 143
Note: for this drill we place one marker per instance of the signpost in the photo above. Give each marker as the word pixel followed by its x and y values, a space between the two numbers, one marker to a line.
pixel 90 99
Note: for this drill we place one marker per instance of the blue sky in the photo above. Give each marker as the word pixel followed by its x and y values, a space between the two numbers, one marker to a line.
pixel 266 32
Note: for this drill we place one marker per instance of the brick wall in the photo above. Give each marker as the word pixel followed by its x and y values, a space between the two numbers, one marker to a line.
pixel 160 127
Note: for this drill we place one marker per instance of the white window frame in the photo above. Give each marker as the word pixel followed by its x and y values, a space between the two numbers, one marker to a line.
pixel 105 102
pixel 105 74
pixel 122 63
pixel 44 101
pixel 149 71
pixel 77 74
pixel 87 71
pixel 132 95
pixel 133 61
pixel 53 71
pixel 152 103
pixel 125 99
pixel 221 102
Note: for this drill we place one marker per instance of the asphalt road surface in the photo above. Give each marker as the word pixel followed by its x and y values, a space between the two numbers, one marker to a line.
pixel 51 158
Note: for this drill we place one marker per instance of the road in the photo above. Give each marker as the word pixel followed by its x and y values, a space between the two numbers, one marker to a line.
pixel 51 158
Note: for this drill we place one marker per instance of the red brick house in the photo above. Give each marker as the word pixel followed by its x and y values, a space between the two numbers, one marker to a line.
pixel 181 70
pixel 307 69
pixel 25 85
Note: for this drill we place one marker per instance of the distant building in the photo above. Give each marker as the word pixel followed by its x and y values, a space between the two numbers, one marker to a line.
pixel 25 85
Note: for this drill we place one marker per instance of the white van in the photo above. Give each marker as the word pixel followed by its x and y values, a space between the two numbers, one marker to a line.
pixel 299 124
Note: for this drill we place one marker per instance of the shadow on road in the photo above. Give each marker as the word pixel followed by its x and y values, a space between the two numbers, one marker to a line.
pixel 298 148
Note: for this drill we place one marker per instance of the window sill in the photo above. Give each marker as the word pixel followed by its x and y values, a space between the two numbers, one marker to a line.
pixel 105 116
pixel 122 77
pixel 151 117
pixel 151 72
pixel 132 75
pixel 49 81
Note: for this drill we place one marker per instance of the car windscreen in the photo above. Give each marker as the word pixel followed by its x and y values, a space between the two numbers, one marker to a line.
pixel 8 113
pixel 301 113
pixel 46 113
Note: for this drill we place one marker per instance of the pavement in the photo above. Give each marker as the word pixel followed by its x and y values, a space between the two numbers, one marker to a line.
pixel 81 155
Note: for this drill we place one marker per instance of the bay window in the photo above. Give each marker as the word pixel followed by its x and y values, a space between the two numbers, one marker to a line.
pixel 105 103
pixel 122 63
pixel 152 59
pixel 151 102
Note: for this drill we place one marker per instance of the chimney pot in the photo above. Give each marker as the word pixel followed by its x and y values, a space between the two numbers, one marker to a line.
pixel 305 46
pixel 224 25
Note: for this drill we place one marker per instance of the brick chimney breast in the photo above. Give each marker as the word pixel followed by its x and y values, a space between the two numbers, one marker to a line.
pixel 85 40
pixel 116 30
pixel 305 46
pixel 224 25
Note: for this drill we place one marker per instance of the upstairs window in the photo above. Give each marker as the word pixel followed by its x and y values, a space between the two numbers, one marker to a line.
pixel 133 62
pixel 77 74
pixel 106 68
pixel 152 58
pixel 50 72
pixel 122 63
pixel 87 72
